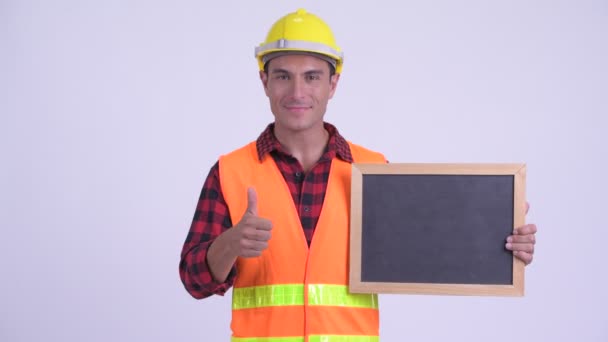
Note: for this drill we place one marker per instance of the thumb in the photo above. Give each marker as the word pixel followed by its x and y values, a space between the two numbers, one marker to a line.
pixel 252 201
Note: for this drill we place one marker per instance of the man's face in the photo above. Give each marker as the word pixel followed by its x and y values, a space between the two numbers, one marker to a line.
pixel 298 87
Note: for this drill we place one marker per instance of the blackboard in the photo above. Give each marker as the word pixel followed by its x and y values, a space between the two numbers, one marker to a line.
pixel 436 228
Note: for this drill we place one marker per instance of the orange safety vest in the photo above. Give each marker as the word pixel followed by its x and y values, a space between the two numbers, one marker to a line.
pixel 292 292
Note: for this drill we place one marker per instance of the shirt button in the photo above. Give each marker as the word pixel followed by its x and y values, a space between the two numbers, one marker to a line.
pixel 298 176
pixel 306 209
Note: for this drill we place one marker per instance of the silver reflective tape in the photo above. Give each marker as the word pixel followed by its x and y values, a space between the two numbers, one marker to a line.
pixel 303 45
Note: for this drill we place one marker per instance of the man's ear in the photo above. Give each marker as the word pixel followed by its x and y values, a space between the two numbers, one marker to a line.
pixel 333 84
pixel 264 79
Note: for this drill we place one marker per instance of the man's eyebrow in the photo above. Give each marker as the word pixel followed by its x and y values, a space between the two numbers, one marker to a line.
pixel 314 71
pixel 279 71
pixel 309 72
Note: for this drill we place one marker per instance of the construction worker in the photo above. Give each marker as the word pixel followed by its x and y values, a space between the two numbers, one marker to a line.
pixel 260 223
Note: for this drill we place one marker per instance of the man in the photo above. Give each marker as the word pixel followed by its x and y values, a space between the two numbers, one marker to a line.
pixel 292 183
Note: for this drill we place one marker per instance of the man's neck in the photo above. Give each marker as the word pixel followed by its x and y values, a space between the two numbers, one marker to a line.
pixel 306 146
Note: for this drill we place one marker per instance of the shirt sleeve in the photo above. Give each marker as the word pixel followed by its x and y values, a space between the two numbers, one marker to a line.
pixel 211 219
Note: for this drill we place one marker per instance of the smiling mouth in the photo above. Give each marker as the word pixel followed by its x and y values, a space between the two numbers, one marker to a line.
pixel 298 108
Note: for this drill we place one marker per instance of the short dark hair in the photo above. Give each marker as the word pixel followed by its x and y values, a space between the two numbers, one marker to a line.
pixel 332 69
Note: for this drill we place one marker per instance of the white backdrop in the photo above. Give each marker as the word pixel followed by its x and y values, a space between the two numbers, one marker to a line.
pixel 112 113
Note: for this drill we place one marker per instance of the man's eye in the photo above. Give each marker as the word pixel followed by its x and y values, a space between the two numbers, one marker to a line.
pixel 282 77
pixel 314 77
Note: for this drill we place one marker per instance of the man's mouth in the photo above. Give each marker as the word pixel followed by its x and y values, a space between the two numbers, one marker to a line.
pixel 297 107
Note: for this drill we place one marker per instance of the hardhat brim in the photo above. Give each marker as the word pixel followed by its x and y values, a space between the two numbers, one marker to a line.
pixel 272 55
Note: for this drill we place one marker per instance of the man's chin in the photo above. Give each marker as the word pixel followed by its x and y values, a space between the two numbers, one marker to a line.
pixel 295 125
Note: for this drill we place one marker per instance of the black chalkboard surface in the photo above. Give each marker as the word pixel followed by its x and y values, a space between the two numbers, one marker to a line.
pixel 436 228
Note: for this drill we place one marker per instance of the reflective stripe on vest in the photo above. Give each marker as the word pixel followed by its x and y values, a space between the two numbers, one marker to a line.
pixel 293 294
pixel 311 338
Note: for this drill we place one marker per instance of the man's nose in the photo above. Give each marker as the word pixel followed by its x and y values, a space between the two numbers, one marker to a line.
pixel 298 87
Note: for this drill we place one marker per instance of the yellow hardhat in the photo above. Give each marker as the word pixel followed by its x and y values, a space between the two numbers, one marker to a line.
pixel 300 31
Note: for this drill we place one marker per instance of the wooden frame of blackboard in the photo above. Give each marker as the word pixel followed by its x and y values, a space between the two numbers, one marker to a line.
pixel 358 285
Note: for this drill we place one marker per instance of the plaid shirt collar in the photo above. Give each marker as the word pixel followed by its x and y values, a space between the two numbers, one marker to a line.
pixel 336 146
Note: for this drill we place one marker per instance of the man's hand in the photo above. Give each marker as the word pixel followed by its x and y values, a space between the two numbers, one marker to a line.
pixel 250 236
pixel 522 241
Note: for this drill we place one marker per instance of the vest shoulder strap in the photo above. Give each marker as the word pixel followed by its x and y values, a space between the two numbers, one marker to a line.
pixel 364 155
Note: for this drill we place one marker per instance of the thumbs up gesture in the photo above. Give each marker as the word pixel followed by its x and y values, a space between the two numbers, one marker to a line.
pixel 250 236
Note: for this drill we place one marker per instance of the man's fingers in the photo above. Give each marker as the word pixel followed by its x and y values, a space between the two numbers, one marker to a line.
pixel 530 238
pixel 262 224
pixel 254 231
pixel 524 256
pixel 250 253
pixel 520 247
pixel 525 230
pixel 257 235
pixel 253 245
pixel 522 241
pixel 256 222
pixel 252 201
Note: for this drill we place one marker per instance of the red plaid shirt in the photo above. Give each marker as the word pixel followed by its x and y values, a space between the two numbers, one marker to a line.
pixel 212 218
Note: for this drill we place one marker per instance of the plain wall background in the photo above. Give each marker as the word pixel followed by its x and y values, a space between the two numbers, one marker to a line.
pixel 112 113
